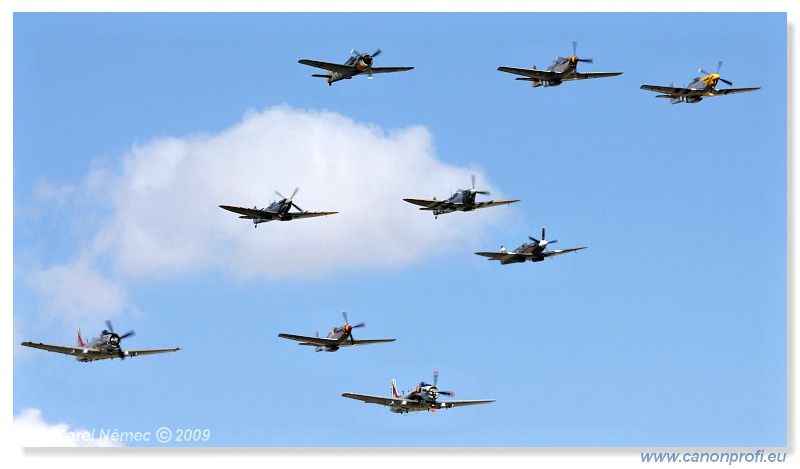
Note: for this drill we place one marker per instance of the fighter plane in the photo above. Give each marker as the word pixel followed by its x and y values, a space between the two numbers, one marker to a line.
pixel 463 200
pixel 337 337
pixel 278 210
pixel 107 345
pixel 422 397
pixel 560 70
pixel 699 88
pixel 534 252
pixel 357 64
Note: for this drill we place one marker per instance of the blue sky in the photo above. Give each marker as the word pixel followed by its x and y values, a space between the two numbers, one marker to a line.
pixel 669 330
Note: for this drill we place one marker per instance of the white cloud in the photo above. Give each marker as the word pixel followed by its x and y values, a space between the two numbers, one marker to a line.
pixel 157 214
pixel 78 291
pixel 30 430
pixel 168 221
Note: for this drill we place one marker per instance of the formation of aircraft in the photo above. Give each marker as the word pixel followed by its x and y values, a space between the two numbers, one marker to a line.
pixel 337 337
pixel 106 345
pixel 357 64
pixel 424 396
pixel 533 251
pixel 278 210
pixel 463 200
pixel 699 88
pixel 560 70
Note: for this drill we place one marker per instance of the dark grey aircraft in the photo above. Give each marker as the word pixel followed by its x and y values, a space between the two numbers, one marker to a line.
pixel 699 88
pixel 463 200
pixel 337 337
pixel 278 210
pixel 357 64
pixel 423 397
pixel 107 345
pixel 534 251
pixel 560 70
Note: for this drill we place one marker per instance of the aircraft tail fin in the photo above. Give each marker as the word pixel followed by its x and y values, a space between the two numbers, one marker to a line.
pixel 394 390
pixel 80 343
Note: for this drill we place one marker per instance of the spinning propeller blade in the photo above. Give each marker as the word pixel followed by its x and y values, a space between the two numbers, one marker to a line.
pixel 575 53
pixel 289 199
pixel 538 241
pixel 120 352
pixel 351 327
pixel 478 192
pixel 719 65
pixel 435 384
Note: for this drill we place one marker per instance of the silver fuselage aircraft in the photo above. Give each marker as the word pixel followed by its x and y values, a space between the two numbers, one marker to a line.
pixel 337 337
pixel 357 64
pixel 278 210
pixel 533 251
pixel 463 200
pixel 701 87
pixel 560 70
pixel 423 397
pixel 105 346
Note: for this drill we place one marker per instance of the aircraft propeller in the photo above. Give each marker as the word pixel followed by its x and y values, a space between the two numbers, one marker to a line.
pixel 119 338
pixel 719 65
pixel 349 328
pixel 367 59
pixel 289 199
pixel 575 54
pixel 435 391
pixel 539 242
pixel 478 192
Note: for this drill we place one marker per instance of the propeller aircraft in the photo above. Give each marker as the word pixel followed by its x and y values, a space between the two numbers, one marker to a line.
pixel 357 64
pixel 534 251
pixel 463 200
pixel 423 397
pixel 560 70
pixel 107 345
pixel 278 210
pixel 337 337
pixel 699 88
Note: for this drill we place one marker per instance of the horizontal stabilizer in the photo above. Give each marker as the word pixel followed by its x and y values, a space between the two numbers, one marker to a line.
pixel 318 75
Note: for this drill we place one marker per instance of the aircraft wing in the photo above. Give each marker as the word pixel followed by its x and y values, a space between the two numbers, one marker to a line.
pixel 293 215
pixel 387 401
pixel 448 404
pixel 428 204
pixel 324 341
pixel 340 68
pixel 675 92
pixel 502 256
pixel 151 351
pixel 390 69
pixel 75 351
pixel 690 93
pixel 251 213
pixel 587 75
pixel 530 73
pixel 559 252
pixel 733 90
pixel 494 203
pixel 92 354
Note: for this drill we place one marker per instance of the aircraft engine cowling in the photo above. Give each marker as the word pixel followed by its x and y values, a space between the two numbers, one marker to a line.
pixel 433 393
